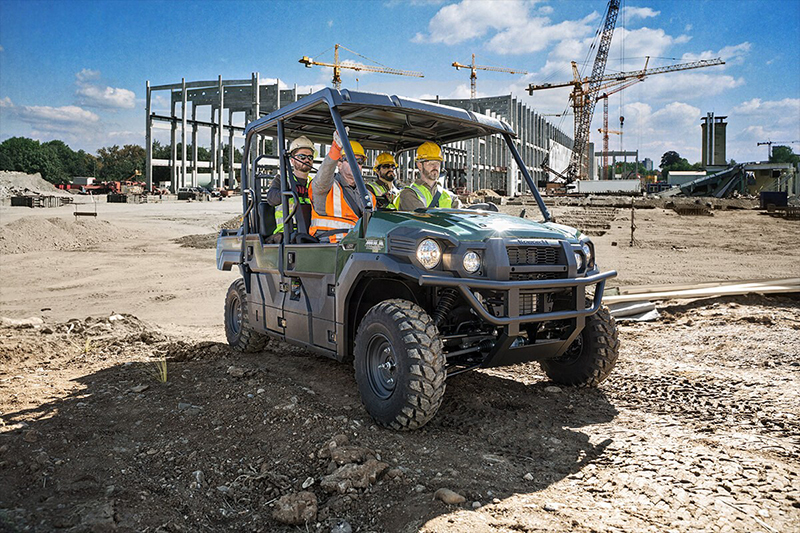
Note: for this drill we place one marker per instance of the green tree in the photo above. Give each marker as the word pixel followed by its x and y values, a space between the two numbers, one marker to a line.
pixel 21 154
pixel 670 158
pixel 783 154
pixel 117 164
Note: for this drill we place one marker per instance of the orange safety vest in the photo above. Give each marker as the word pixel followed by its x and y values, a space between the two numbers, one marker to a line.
pixel 340 215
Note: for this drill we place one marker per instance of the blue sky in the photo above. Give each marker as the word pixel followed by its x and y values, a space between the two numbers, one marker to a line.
pixel 76 71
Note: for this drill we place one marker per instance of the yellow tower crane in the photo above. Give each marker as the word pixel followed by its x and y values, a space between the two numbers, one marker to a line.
pixel 603 86
pixel 473 75
pixel 337 66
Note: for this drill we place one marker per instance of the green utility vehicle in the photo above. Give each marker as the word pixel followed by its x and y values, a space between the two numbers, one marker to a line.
pixel 412 298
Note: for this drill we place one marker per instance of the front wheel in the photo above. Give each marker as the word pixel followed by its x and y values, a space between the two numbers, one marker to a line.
pixel 399 364
pixel 592 355
pixel 240 333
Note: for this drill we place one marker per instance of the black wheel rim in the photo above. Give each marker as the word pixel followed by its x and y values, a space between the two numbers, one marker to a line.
pixel 381 366
pixel 574 351
pixel 235 315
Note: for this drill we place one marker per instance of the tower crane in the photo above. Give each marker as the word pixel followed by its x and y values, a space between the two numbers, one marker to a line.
pixel 610 84
pixel 337 66
pixel 473 75
pixel 583 100
pixel 770 143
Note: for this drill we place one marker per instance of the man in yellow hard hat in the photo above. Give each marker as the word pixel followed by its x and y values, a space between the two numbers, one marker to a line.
pixel 334 197
pixel 383 188
pixel 426 192
pixel 301 155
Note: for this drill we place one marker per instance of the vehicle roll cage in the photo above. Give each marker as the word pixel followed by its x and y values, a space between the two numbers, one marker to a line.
pixel 378 121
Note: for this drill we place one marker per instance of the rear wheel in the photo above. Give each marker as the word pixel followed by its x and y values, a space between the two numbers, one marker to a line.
pixel 400 368
pixel 240 333
pixel 591 357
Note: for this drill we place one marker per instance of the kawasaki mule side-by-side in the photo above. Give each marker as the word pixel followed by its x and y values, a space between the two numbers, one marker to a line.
pixel 412 298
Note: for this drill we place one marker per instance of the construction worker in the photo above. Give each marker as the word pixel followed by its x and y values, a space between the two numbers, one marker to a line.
pixel 426 192
pixel 383 188
pixel 301 155
pixel 334 196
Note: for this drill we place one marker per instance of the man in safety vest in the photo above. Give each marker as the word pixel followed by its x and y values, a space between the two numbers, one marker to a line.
pixel 383 188
pixel 334 196
pixel 425 192
pixel 301 155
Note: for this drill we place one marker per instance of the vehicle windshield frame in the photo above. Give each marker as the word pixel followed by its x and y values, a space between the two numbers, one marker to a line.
pixel 379 122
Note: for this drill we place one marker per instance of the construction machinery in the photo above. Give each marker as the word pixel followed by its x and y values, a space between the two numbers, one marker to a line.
pixel 587 91
pixel 473 75
pixel 770 143
pixel 338 66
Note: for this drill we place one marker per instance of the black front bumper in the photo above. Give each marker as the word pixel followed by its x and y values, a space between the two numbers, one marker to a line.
pixel 504 353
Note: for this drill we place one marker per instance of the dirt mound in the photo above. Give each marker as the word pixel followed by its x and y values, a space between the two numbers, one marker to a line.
pixel 207 240
pixel 30 234
pixel 16 183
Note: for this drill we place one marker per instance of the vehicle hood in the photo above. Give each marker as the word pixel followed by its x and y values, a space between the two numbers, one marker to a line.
pixel 468 225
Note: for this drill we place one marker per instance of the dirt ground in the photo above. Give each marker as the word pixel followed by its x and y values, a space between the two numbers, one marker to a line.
pixel 697 428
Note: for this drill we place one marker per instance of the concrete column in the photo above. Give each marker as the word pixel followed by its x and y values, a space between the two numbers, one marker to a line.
pixel 173 161
pixel 194 145
pixel 148 171
pixel 183 132
pixel 231 172
pixel 220 125
pixel 213 163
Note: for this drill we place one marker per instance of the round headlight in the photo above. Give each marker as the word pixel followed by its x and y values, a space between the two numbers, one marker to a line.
pixel 579 260
pixel 587 251
pixel 472 262
pixel 429 253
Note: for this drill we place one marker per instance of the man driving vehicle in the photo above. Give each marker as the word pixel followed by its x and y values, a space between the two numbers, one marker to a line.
pixel 333 193
pixel 426 192
pixel 301 155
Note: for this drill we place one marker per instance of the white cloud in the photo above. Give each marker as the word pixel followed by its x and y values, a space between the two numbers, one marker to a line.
pixel 631 13
pixel 469 19
pixel 732 55
pixel 517 39
pixel 781 114
pixel 87 75
pixel 674 85
pixel 93 95
pixel 2 49
pixel 6 102
pixel 65 119
pixel 546 10
pixel 330 23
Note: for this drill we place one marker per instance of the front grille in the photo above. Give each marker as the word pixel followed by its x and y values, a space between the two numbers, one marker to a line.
pixel 532 255
pixel 402 245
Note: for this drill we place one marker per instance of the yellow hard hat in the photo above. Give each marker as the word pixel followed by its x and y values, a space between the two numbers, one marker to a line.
pixel 357 149
pixel 384 158
pixel 429 152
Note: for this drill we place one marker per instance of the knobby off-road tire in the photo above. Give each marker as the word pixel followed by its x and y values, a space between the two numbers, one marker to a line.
pixel 399 364
pixel 591 357
pixel 238 329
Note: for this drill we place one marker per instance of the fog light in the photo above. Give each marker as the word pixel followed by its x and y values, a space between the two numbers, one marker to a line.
pixel 579 260
pixel 472 262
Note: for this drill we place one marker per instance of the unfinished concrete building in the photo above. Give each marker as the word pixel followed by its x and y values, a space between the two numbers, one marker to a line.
pixel 230 105
pixel 486 164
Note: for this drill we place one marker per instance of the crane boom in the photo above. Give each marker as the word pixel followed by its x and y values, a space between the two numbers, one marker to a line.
pixel 337 66
pixel 473 76
pixel 583 115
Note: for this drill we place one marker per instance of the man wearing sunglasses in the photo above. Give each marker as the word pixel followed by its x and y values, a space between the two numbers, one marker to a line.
pixel 425 192
pixel 301 156
pixel 383 188
pixel 334 196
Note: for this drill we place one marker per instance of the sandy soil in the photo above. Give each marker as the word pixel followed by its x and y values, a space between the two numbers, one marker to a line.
pixel 696 430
